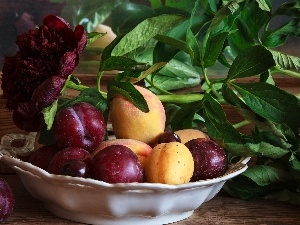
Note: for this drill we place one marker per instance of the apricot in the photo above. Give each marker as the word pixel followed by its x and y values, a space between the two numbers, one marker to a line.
pixel 106 39
pixel 129 122
pixel 101 42
pixel 141 149
pixel 189 134
pixel 169 163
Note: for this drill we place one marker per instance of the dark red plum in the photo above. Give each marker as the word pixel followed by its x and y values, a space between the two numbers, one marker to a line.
pixel 80 125
pixel 116 164
pixel 60 159
pixel 168 136
pixel 75 168
pixel 7 200
pixel 210 159
pixel 43 155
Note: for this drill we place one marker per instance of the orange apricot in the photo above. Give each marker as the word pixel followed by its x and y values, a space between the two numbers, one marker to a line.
pixel 169 163
pixel 129 122
pixel 189 134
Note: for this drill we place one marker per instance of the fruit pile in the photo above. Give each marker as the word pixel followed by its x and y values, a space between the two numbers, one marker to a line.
pixel 143 151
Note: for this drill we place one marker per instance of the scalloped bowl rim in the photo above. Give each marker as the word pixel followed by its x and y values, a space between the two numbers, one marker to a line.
pixel 25 166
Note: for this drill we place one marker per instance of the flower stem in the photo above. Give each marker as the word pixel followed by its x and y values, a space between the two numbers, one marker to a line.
pixel 100 73
pixel 286 72
pixel 240 124
pixel 184 98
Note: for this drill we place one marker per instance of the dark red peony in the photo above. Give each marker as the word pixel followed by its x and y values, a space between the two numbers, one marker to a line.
pixel 35 76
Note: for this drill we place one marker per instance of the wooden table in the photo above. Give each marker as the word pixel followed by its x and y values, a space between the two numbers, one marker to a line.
pixel 222 209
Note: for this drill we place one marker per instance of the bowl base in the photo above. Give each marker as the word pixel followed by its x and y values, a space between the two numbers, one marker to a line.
pixel 106 220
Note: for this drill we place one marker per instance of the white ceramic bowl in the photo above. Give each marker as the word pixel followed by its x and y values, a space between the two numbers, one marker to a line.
pixel 95 202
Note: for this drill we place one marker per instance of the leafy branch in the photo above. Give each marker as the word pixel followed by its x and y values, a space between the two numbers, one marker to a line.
pixel 171 53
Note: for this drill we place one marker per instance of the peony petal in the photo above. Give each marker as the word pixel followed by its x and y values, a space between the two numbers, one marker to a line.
pixel 47 92
pixel 55 22
pixel 67 64
pixel 81 37
pixel 26 118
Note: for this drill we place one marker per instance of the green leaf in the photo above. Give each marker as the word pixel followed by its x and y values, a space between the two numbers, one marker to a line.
pixel 216 122
pixel 294 166
pixel 256 16
pixel 151 70
pixel 183 118
pixel 231 97
pixel 271 102
pixel 170 110
pixel 181 45
pixel 260 123
pixel 106 54
pixel 122 63
pixel 194 49
pixel 247 189
pixel 176 75
pixel 174 40
pixel 291 9
pixel 187 5
pixel 124 17
pixel 46 136
pixel 271 138
pixel 89 95
pixel 215 84
pixel 266 150
pixel 191 40
pixel 223 13
pixel 286 61
pixel 277 37
pixel 214 46
pixel 145 31
pixel 264 5
pixel 49 113
pixel 171 10
pixel 247 63
pixel 238 149
pixel 261 149
pixel 239 39
pixel 266 174
pixel 127 90
pixel 93 36
pixel 285 196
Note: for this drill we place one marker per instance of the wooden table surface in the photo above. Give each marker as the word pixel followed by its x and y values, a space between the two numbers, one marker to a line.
pixel 222 209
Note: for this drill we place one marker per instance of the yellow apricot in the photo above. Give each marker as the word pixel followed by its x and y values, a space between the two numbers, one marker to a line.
pixel 141 149
pixel 101 42
pixel 169 163
pixel 129 122
pixel 189 134
pixel 106 39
